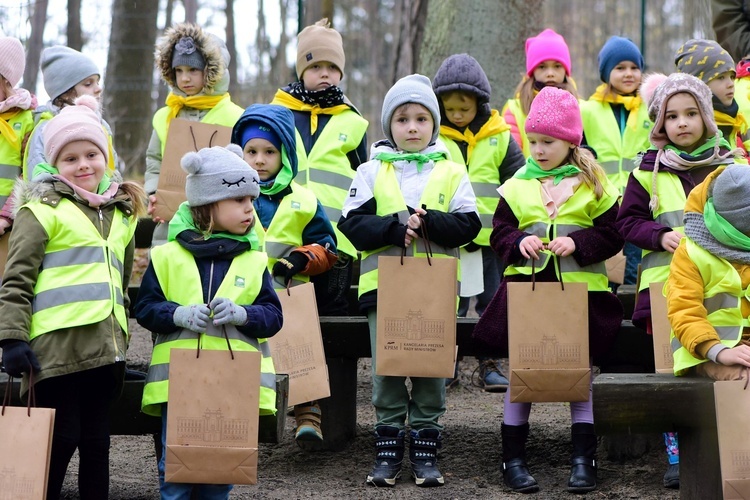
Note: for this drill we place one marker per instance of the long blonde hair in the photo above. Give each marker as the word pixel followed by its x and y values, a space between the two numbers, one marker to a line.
pixel 591 171
pixel 525 92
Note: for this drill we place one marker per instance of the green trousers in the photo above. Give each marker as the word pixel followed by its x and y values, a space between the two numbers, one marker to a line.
pixel 392 401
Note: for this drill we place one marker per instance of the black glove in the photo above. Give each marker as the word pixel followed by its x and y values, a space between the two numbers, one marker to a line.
pixel 18 358
pixel 288 266
pixel 472 247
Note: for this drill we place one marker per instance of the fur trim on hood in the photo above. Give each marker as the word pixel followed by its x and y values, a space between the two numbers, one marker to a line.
pixel 209 46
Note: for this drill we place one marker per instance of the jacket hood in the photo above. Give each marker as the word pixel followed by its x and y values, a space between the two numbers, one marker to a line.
pixel 212 48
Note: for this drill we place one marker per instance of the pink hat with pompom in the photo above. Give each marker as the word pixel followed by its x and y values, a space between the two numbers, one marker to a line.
pixel 554 112
pixel 80 122
pixel 546 46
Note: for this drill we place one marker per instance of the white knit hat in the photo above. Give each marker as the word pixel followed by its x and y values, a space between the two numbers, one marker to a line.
pixel 413 88
pixel 12 59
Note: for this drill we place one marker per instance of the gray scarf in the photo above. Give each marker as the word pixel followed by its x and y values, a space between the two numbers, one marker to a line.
pixel 696 230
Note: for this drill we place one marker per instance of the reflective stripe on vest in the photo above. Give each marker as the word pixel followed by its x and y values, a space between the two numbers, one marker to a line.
pixel 514 105
pixel 615 152
pixel 672 199
pixel 284 234
pixel 326 169
pixel 487 156
pixel 722 288
pixel 442 184
pixel 180 281
pixel 22 123
pixel 80 280
pixel 525 200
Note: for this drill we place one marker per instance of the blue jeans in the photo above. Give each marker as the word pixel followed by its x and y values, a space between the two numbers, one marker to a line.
pixel 183 491
pixel 633 256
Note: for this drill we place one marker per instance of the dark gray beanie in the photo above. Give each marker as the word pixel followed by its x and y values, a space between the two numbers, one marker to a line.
pixel 186 53
pixel 216 174
pixel 462 72
pixel 730 193
pixel 413 88
pixel 63 68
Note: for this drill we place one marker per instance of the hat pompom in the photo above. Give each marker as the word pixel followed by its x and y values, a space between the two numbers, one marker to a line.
pixel 236 149
pixel 191 163
pixel 649 84
pixel 89 102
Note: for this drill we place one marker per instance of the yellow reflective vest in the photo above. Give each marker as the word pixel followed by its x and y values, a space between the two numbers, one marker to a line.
pixel 524 196
pixel 615 152
pixel 180 281
pixel 722 295
pixel 21 123
pixel 672 199
pixel 80 281
pixel 514 106
pixel 441 186
pixel 742 96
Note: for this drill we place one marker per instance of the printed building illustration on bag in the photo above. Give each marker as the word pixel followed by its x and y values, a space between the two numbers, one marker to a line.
pixel 287 356
pixel 741 462
pixel 13 487
pixel 212 427
pixel 549 351
pixel 414 327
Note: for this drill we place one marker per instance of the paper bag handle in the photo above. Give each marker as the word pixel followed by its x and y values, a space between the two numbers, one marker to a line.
pixel 195 142
pixel 229 346
pixel 31 400
pixel 533 275
pixel 425 238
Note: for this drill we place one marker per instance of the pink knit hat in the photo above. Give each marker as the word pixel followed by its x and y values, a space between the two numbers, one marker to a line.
pixel 546 46
pixel 80 122
pixel 555 112
pixel 12 59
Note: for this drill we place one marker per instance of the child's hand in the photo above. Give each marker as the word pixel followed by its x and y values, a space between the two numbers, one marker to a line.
pixel 4 224
pixel 737 355
pixel 530 247
pixel 152 208
pixel 669 241
pixel 227 312
pixel 562 246
pixel 193 317
pixel 412 224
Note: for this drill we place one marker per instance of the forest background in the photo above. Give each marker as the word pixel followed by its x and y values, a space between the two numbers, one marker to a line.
pixel 383 40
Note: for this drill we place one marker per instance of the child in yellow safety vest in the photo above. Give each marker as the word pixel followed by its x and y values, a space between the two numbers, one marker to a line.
pixel 195 66
pixel 297 235
pixel 64 299
pixel 210 271
pixel 559 206
pixel 16 124
pixel 331 144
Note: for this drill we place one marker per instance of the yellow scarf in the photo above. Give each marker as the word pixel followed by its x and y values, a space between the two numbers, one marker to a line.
pixel 177 102
pixel 495 125
pixel 284 99
pixel 631 102
pixel 7 131
pixel 738 123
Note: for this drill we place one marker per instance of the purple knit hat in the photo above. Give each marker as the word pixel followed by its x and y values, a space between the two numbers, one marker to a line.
pixel 555 112
pixel 546 46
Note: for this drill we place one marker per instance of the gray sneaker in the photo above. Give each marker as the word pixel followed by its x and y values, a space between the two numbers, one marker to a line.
pixel 489 377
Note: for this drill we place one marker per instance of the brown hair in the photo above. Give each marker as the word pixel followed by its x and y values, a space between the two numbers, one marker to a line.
pixel 137 196
pixel 203 218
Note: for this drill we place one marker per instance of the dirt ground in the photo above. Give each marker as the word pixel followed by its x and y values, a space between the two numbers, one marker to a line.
pixel 470 457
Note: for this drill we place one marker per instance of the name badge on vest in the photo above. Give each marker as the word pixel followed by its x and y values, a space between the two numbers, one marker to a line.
pixel 441 199
pixel 343 137
pixel 296 205
pixel 646 124
pixel 239 282
pixel 17 126
pixel 493 141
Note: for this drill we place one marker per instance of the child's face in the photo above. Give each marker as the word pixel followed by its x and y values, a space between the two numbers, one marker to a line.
pixel 82 163
pixel 460 108
pixel 683 123
pixel 235 215
pixel 411 127
pixel 263 156
pixel 548 152
pixel 723 87
pixel 89 86
pixel 189 80
pixel 550 73
pixel 625 78
pixel 320 76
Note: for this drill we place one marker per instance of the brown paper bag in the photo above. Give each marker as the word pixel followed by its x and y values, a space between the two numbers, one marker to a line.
pixel 183 137
pixel 663 359
pixel 616 268
pixel 297 349
pixel 732 408
pixel 26 444
pixel 212 421
pixel 416 334
pixel 548 342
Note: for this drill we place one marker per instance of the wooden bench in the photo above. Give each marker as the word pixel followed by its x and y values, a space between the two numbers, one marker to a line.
pixel 633 403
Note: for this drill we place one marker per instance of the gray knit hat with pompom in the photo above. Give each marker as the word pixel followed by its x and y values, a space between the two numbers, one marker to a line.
pixel 730 190
pixel 218 173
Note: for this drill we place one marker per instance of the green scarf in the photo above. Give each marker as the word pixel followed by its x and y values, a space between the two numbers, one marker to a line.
pixel 282 179
pixel 420 158
pixel 722 230
pixel 183 220
pixel 532 170
pixel 46 168
pixel 708 145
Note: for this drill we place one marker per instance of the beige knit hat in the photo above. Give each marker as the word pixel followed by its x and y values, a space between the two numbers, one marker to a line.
pixel 12 59
pixel 318 43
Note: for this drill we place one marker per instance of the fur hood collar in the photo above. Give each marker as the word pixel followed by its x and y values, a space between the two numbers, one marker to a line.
pixel 210 46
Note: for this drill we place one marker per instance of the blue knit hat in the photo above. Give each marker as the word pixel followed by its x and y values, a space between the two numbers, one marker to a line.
pixel 616 50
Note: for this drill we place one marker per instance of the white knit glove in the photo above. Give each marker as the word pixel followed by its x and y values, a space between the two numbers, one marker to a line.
pixel 193 317
pixel 227 312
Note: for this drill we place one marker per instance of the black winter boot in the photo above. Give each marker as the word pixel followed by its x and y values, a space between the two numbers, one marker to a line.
pixel 583 461
pixel 389 444
pixel 423 448
pixel 515 471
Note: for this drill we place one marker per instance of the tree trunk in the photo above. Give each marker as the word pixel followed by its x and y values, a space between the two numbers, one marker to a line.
pixel 128 104
pixel 492 32
pixel 163 87
pixel 75 38
pixel 234 85
pixel 35 45
pixel 191 11
pixel 412 15
pixel 315 11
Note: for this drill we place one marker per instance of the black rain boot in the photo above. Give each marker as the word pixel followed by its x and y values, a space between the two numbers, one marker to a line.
pixel 515 471
pixel 583 461
pixel 389 444
pixel 423 447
